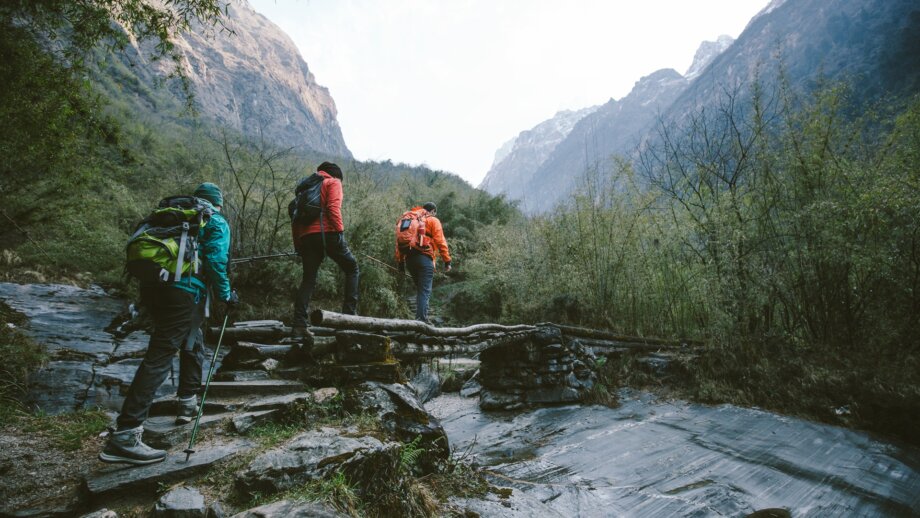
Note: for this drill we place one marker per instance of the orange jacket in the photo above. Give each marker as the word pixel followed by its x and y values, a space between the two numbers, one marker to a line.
pixel 331 200
pixel 435 234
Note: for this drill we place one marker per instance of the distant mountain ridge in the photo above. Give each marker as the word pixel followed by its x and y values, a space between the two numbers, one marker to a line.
pixel 800 42
pixel 537 169
pixel 254 80
pixel 522 155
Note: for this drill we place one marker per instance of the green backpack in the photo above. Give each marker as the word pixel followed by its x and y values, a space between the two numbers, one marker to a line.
pixel 165 244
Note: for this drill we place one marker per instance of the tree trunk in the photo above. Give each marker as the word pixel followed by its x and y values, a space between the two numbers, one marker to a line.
pixel 371 324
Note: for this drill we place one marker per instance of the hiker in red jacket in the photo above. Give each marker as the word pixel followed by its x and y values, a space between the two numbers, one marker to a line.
pixel 419 241
pixel 323 237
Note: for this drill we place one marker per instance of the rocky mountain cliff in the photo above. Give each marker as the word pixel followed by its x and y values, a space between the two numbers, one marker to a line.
pixel 518 159
pixel 538 169
pixel 614 129
pixel 707 52
pixel 251 77
pixel 871 44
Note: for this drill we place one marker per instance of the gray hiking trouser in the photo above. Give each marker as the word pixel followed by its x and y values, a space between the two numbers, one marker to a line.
pixel 421 268
pixel 312 252
pixel 177 319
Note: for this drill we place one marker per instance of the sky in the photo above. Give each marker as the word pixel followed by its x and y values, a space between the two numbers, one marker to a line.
pixel 445 83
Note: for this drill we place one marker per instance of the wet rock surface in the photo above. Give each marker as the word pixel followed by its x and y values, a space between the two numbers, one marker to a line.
pixel 292 509
pixel 88 366
pixel 426 382
pixel 181 502
pixel 119 480
pixel 655 458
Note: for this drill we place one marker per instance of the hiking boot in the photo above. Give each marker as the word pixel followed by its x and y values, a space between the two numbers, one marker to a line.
pixel 127 446
pixel 302 335
pixel 187 409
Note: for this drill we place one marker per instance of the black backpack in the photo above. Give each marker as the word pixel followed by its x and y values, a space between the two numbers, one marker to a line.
pixel 307 203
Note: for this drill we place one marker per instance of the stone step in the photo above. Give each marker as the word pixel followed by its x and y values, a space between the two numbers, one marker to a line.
pixel 163 432
pixel 166 406
pixel 241 375
pixel 230 389
pixel 116 481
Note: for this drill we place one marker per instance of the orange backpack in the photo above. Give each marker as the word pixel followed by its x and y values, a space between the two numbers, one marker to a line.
pixel 410 231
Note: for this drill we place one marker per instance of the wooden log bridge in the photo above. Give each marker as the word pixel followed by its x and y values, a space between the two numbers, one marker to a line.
pixel 391 325
pixel 519 365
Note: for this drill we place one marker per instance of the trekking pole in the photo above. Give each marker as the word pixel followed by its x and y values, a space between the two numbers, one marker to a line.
pixel 189 451
pixel 244 260
pixel 385 264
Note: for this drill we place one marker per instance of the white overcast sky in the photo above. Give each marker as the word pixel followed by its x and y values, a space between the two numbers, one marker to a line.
pixel 446 82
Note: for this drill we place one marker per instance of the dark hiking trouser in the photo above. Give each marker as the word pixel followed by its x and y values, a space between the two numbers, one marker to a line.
pixel 421 268
pixel 310 249
pixel 177 318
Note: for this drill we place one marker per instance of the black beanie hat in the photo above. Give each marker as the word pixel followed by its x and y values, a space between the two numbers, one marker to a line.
pixel 430 206
pixel 333 170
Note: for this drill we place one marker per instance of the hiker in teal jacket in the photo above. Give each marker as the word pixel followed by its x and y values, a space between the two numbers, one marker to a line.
pixel 178 311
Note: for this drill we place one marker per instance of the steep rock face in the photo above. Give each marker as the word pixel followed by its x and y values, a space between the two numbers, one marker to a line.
pixel 615 128
pixel 707 52
pixel 869 43
pixel 517 160
pixel 544 166
pixel 254 79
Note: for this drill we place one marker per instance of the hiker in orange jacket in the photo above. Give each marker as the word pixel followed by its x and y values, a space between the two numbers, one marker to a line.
pixel 323 237
pixel 419 255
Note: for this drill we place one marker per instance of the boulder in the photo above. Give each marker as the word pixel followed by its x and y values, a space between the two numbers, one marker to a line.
pixel 471 387
pixel 181 502
pixel 101 513
pixel 427 383
pixel 313 455
pixel 354 347
pixel 402 415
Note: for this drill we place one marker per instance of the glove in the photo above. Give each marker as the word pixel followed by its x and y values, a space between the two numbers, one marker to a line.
pixel 446 267
pixel 401 266
pixel 233 301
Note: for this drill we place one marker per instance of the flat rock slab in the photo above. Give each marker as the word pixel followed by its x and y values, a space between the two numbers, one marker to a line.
pixel 309 456
pixel 253 388
pixel 181 502
pixel 115 481
pixel 291 509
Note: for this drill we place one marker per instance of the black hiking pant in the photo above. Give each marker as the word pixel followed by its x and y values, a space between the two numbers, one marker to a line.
pixel 177 319
pixel 312 252
pixel 421 268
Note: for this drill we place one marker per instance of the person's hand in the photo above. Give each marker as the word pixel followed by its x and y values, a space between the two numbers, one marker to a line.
pixel 446 267
pixel 401 266
pixel 233 301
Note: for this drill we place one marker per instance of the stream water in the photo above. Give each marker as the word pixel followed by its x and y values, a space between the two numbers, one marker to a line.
pixel 672 458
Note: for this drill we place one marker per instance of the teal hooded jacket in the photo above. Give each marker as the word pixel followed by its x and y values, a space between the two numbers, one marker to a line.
pixel 214 249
